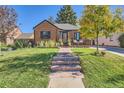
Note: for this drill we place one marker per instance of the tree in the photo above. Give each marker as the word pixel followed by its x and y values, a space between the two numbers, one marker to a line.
pixel 66 15
pixel 51 19
pixel 8 19
pixel 118 21
pixel 100 21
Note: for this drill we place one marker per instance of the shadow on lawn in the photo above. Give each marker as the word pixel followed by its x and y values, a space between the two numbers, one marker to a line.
pixel 39 61
pixel 81 53
pixel 115 79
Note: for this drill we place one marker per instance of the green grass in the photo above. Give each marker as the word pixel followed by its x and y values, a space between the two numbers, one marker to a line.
pixel 101 72
pixel 26 67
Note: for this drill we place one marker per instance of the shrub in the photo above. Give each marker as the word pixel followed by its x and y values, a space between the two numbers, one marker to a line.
pixel 47 43
pixel 3 47
pixel 102 53
pixel 61 42
pixel 121 40
pixel 52 43
pixel 12 47
pixel 21 44
pixel 57 44
pixel 69 42
pixel 42 44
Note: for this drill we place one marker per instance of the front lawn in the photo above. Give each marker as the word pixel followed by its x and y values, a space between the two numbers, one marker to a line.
pixel 26 67
pixel 101 72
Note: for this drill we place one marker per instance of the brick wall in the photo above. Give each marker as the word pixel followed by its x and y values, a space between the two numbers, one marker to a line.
pixel 45 26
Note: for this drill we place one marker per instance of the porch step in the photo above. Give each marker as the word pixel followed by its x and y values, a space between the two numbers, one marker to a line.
pixel 67 74
pixel 64 55
pixel 65 68
pixel 65 62
pixel 72 58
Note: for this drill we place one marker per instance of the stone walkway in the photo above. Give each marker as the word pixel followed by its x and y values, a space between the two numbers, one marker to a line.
pixel 66 70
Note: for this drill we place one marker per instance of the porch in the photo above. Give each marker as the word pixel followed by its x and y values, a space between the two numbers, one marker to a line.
pixel 72 38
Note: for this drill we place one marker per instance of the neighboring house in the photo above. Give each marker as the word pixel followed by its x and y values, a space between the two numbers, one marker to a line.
pixel 11 36
pixel 56 32
pixel 110 41
pixel 26 36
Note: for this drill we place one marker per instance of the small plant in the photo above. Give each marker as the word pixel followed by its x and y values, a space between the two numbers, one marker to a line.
pixel 57 44
pixel 52 43
pixel 47 44
pixel 42 44
pixel 61 42
pixel 69 42
pixel 95 53
pixel 103 53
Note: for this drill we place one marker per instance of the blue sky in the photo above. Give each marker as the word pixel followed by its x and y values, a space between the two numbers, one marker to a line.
pixel 29 16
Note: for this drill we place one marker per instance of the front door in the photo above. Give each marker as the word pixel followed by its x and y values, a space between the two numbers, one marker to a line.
pixel 65 38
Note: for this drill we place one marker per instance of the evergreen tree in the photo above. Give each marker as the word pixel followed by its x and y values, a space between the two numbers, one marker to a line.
pixel 51 19
pixel 66 15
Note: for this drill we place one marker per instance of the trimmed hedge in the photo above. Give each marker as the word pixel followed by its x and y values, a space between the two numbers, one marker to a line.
pixel 121 40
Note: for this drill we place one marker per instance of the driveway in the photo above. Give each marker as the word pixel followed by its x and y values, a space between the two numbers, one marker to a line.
pixel 115 50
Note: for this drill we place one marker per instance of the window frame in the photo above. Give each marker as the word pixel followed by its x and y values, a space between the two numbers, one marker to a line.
pixel 47 36
pixel 75 35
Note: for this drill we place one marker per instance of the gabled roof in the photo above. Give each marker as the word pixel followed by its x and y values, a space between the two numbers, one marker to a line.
pixel 26 36
pixel 65 26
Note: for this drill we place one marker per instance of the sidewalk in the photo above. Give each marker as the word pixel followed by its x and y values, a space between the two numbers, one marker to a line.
pixel 116 51
pixel 66 71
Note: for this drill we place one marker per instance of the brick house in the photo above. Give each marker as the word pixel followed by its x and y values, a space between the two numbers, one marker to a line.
pixel 46 30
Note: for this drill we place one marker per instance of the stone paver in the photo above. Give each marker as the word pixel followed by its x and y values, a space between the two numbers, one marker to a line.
pixel 66 83
pixel 66 70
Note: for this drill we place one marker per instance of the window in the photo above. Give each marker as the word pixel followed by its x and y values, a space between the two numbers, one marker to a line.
pixel 45 34
pixel 77 36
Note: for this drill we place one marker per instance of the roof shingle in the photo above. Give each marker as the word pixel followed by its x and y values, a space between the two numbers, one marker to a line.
pixel 66 26
pixel 26 36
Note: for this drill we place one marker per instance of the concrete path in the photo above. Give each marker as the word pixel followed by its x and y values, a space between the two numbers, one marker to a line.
pixel 114 50
pixel 66 83
pixel 66 70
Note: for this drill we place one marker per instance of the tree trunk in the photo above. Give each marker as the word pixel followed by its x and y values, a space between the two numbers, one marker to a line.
pixel 97 42
pixel 0 49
